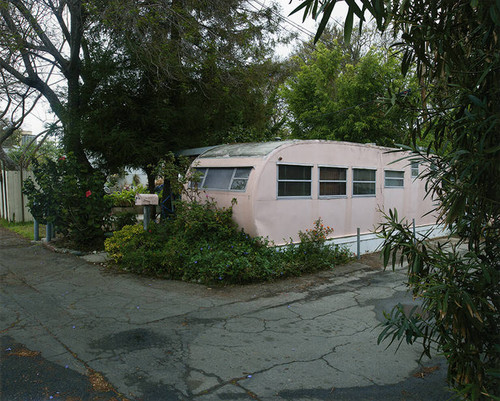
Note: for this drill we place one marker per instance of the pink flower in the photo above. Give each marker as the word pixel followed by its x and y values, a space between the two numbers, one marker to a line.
pixel 88 193
pixel 62 158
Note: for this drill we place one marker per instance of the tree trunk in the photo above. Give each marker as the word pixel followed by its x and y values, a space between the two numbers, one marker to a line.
pixel 73 123
pixel 151 179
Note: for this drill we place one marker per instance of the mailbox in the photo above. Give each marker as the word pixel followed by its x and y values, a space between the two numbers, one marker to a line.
pixel 146 199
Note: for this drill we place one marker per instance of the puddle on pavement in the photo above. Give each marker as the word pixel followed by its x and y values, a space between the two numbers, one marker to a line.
pixel 131 340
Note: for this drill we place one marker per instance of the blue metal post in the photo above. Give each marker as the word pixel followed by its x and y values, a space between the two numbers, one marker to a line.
pixel 48 232
pixel 36 228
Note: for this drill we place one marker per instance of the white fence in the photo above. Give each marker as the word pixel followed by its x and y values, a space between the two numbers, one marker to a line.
pixel 13 204
pixel 370 242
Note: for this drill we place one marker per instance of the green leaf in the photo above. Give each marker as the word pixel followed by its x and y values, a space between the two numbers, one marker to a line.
pixel 387 254
pixel 348 26
pixel 302 5
pixel 494 15
pixel 327 12
pixel 476 101
pixel 354 8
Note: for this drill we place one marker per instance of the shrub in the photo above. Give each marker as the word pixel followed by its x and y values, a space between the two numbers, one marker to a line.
pixel 122 219
pixel 71 197
pixel 312 254
pixel 203 244
pixel 133 249
pixel 126 197
pixel 459 318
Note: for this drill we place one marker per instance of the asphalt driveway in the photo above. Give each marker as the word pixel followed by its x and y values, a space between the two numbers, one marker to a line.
pixel 72 330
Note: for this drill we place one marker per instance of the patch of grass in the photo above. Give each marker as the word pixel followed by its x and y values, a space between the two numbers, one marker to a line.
pixel 25 230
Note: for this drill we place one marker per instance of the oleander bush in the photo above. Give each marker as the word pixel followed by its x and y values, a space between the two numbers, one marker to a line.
pixel 203 244
pixel 65 193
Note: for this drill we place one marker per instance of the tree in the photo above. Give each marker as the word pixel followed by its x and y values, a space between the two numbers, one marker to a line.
pixel 38 148
pixel 453 45
pixel 186 74
pixel 17 103
pixel 337 91
pixel 131 79
pixel 40 38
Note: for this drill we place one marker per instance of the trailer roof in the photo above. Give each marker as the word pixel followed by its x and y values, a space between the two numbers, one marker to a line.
pixel 256 149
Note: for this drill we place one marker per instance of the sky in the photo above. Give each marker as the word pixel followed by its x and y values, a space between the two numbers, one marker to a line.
pixel 35 122
pixel 338 15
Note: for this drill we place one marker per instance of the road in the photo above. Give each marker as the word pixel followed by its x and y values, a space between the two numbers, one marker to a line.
pixel 72 330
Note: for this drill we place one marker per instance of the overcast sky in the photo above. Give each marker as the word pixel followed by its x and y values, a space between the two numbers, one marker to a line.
pixel 306 30
pixel 309 24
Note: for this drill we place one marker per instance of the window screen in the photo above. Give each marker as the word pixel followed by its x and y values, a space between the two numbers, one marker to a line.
pixel 218 178
pixel 291 172
pixel 332 181
pixel 394 179
pixel 223 178
pixel 294 180
pixel 363 181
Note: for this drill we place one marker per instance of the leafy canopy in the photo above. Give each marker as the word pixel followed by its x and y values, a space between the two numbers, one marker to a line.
pixel 337 96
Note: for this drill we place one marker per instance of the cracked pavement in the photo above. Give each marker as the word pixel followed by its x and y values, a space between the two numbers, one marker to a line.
pixel 72 330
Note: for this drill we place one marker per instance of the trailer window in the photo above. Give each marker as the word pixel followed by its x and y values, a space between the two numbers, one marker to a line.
pixel 332 181
pixel 414 169
pixel 294 180
pixel 240 178
pixel 363 181
pixel 394 179
pixel 223 178
pixel 198 177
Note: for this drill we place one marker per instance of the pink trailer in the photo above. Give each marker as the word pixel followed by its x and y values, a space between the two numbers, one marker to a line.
pixel 283 187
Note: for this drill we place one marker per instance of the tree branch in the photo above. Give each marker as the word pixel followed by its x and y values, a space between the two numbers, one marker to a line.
pixel 36 83
pixel 51 49
pixel 58 11
pixel 8 162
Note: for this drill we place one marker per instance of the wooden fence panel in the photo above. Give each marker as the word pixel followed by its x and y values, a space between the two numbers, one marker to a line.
pixel 13 204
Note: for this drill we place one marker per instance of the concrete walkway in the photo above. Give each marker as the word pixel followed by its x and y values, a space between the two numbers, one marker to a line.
pixel 72 330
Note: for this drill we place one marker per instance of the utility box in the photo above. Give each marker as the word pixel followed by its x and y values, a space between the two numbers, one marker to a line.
pixel 146 199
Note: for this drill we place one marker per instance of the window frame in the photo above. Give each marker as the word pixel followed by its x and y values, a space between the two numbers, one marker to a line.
pixel 233 177
pixel 364 182
pixel 402 179
pixel 310 181
pixel 201 184
pixel 320 166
